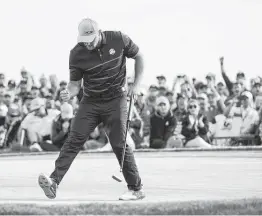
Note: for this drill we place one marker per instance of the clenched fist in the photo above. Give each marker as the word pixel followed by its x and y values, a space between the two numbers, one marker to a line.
pixel 65 95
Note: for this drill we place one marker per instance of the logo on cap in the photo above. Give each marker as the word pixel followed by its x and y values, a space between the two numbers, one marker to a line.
pixel 112 51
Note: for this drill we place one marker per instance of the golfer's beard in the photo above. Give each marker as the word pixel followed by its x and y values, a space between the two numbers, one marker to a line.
pixel 90 47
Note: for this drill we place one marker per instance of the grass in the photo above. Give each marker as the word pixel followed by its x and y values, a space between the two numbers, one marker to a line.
pixel 230 207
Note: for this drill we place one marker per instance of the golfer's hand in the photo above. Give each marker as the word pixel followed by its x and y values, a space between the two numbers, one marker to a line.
pixel 65 95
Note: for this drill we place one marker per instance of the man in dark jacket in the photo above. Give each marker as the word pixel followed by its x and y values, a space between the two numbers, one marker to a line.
pixel 162 125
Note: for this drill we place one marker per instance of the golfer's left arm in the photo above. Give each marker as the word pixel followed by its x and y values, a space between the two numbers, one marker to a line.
pixel 131 50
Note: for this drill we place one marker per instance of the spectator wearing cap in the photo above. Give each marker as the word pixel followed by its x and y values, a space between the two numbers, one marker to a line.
pixel 195 127
pixel 162 91
pixel 151 97
pixel 11 88
pixel 26 105
pixel 33 124
pixel 202 88
pixel 62 86
pixel 242 120
pixel 161 80
pixel 250 117
pixel 162 125
pixel 61 125
pixel 180 110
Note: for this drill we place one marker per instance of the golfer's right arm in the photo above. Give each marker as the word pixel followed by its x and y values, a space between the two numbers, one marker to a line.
pixel 73 88
pixel 76 75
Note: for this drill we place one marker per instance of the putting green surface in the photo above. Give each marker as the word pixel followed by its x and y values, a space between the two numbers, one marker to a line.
pixel 168 178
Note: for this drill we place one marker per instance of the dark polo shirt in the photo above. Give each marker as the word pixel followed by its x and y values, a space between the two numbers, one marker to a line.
pixel 104 69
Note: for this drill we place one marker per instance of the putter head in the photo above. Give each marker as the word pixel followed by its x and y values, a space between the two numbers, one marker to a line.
pixel 116 178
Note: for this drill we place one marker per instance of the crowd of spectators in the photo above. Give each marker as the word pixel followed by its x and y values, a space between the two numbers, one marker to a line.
pixel 191 113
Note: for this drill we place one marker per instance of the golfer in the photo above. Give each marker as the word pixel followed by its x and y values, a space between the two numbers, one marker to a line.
pixel 99 59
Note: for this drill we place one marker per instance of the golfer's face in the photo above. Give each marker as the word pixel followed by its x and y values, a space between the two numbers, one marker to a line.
pixel 92 45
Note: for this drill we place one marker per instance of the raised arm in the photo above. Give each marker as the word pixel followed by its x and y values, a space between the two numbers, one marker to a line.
pixel 229 84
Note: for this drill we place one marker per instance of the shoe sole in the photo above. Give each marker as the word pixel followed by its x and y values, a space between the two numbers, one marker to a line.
pixel 45 183
pixel 140 198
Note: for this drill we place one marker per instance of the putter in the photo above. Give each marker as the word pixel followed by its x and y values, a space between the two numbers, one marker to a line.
pixel 129 116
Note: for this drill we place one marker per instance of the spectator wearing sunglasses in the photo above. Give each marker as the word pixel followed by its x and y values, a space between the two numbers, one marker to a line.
pixel 195 127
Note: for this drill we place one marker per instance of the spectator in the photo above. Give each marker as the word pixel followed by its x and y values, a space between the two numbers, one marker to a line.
pixel 188 89
pixel 11 89
pixel 170 97
pixel 27 79
pixel 180 109
pixel 44 90
pixel 8 99
pixel 2 89
pixel 161 79
pixel 151 97
pixel 162 125
pixel 222 91
pixel 61 125
pixel 234 88
pixel 203 103
pixel 62 86
pixel 2 79
pixel 12 124
pixel 144 110
pixel 33 123
pixel 250 117
pixel 35 92
pixel 195 127
pixel 52 111
pixel 216 104
pixel 22 91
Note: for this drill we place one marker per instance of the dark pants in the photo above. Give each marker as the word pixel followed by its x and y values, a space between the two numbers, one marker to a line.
pixel 113 113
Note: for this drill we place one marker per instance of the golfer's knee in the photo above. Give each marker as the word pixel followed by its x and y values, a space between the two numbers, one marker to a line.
pixel 75 140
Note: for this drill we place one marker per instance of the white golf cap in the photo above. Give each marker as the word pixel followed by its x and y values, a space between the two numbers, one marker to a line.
pixel 87 31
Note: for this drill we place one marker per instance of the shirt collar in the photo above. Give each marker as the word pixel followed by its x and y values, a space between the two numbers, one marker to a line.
pixel 103 38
